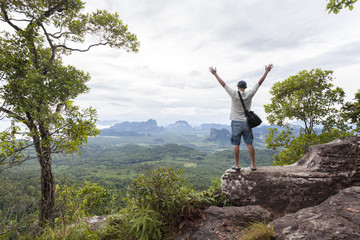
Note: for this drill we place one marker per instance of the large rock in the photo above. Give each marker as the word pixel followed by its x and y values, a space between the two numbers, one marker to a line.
pixel 224 223
pixel 321 173
pixel 336 218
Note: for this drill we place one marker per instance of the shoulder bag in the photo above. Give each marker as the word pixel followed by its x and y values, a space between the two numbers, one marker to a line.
pixel 252 119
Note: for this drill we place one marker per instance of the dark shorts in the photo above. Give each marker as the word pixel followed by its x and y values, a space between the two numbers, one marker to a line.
pixel 239 129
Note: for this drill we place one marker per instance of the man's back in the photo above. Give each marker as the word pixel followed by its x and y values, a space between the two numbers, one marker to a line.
pixel 237 111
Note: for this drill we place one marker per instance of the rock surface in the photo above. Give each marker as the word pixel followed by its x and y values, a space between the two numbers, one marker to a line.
pixel 224 223
pixel 96 222
pixel 320 174
pixel 336 218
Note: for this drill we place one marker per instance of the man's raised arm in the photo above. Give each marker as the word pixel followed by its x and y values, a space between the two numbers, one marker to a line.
pixel 213 71
pixel 267 70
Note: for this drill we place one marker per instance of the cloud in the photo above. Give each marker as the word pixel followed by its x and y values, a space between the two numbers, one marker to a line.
pixel 168 78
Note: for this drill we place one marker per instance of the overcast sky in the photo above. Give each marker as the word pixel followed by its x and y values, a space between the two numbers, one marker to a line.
pixel 168 79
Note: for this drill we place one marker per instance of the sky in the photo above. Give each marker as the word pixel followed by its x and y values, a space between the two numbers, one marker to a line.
pixel 168 79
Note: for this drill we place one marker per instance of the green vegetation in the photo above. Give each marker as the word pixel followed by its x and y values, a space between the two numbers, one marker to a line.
pixel 37 90
pixel 258 231
pixel 156 204
pixel 73 202
pixel 351 112
pixel 310 98
pixel 336 5
pixel 105 171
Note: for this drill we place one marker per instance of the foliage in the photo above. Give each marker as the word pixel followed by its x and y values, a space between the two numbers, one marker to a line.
pixel 212 196
pixel 78 231
pixel 146 223
pixel 351 112
pixel 336 5
pixel 294 147
pixel 310 98
pixel 258 231
pixel 155 201
pixel 37 90
pixel 118 227
pixel 161 190
pixel 74 202
pixel 108 166
pixel 12 149
pixel 18 202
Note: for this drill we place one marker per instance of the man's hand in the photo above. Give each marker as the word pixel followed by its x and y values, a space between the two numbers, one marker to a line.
pixel 267 70
pixel 212 70
pixel 268 67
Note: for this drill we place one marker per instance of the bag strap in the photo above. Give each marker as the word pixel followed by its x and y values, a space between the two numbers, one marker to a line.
pixel 243 104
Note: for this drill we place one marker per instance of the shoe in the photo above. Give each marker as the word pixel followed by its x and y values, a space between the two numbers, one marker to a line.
pixel 253 169
pixel 235 168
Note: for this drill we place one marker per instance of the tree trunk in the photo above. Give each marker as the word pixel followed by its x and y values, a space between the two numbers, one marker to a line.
pixel 47 202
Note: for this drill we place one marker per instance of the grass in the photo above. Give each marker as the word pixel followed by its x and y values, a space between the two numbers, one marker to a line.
pixel 258 231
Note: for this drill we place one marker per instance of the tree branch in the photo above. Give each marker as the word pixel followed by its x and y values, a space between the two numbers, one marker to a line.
pixel 17 117
pixel 82 50
pixel 58 34
pixel 53 49
pixel 7 19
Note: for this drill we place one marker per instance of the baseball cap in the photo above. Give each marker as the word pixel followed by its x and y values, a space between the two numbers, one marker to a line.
pixel 242 84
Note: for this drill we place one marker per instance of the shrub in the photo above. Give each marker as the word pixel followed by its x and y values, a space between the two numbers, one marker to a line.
pixel 118 227
pixel 74 202
pixel 213 196
pixel 146 224
pixel 163 191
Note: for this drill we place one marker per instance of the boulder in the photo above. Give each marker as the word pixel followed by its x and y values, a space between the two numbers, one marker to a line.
pixel 96 222
pixel 324 171
pixel 224 223
pixel 336 218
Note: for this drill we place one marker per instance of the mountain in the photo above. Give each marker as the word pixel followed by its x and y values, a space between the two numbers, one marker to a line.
pixel 132 128
pixel 180 126
pixel 215 133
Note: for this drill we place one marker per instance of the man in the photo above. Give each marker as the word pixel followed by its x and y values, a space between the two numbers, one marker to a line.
pixel 239 126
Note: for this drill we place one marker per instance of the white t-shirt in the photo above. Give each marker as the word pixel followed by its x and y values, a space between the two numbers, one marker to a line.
pixel 237 110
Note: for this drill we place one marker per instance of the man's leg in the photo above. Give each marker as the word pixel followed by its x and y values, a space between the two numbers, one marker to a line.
pixel 236 155
pixel 252 154
pixel 236 140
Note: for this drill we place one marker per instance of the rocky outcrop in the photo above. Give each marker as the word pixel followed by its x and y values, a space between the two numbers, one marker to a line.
pixel 336 218
pixel 224 223
pixel 320 174
pixel 220 135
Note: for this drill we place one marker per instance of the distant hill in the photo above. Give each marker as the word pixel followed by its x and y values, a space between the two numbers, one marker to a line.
pixel 215 133
pixel 132 128
pixel 180 126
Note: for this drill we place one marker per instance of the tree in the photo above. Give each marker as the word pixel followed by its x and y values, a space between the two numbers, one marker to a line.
pixel 336 5
pixel 37 90
pixel 351 111
pixel 310 98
